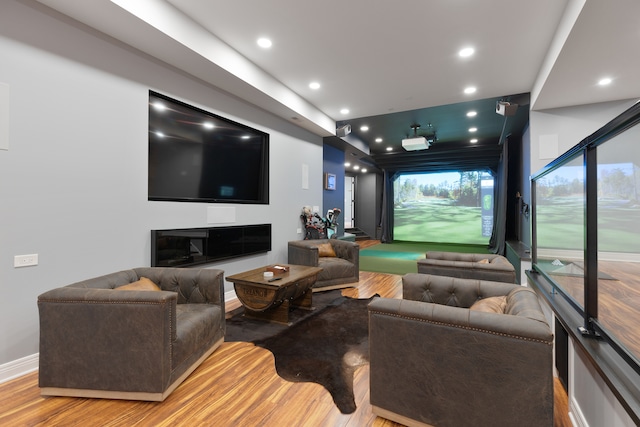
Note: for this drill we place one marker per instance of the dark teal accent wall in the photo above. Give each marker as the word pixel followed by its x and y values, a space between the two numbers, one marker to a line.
pixel 333 162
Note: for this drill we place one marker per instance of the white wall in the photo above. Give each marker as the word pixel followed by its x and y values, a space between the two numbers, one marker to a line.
pixel 555 131
pixel 73 184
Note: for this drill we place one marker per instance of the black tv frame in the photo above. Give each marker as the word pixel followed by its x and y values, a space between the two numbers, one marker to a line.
pixel 184 122
pixel 185 247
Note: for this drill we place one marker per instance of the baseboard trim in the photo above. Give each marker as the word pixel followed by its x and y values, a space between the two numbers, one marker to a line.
pixel 230 296
pixel 19 367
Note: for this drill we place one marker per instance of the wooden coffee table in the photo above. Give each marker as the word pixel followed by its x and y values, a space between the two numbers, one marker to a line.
pixel 272 300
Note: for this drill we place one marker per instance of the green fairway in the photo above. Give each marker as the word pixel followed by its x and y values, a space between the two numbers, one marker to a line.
pixel 438 220
pixel 560 225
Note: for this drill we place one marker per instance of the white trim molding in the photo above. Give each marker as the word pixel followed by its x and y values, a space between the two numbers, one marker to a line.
pixel 230 296
pixel 19 367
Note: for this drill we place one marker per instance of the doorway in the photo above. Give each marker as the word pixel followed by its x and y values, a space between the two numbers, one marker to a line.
pixel 349 201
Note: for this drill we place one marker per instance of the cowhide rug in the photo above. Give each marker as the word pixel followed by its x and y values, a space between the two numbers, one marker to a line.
pixel 324 346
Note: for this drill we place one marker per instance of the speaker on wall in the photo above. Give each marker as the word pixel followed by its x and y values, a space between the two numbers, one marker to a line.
pixel 343 130
pixel 506 109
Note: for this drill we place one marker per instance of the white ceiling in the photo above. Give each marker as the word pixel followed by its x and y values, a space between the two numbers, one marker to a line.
pixel 378 57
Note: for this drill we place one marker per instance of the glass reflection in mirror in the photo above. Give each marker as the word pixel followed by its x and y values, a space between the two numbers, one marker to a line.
pixel 619 238
pixel 560 201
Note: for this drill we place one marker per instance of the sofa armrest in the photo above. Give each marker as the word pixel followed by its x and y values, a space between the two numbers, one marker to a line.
pixel 303 252
pixel 347 250
pixel 81 327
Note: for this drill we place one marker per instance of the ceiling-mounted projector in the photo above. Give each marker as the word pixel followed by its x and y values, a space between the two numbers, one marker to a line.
pixel 415 143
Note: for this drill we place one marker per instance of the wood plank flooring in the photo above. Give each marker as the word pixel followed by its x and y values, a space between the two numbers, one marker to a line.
pixel 236 386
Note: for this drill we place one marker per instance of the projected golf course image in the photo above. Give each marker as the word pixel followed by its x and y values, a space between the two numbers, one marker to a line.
pixel 451 207
pixel 560 208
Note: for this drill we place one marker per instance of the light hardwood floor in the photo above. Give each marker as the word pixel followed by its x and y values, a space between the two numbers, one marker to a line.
pixel 236 386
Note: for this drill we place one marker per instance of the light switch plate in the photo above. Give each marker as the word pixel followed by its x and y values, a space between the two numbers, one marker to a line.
pixel 25 260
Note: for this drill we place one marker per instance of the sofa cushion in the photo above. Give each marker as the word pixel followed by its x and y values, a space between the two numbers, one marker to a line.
pixel 143 284
pixel 335 268
pixel 326 250
pixel 483 261
pixel 490 305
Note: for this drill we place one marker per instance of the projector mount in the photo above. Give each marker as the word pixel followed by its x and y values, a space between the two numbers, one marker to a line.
pixel 429 134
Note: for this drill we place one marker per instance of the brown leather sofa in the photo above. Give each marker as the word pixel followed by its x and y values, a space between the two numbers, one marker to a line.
pixel 435 361
pixel 100 341
pixel 468 266
pixel 339 270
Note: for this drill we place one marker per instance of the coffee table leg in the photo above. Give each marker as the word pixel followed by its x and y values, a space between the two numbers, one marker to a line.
pixel 304 300
pixel 279 314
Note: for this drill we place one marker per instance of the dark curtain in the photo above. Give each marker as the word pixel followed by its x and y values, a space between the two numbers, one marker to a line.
pixel 386 217
pixel 497 241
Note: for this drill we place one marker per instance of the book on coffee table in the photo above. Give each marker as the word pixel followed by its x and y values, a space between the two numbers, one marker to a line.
pixel 278 269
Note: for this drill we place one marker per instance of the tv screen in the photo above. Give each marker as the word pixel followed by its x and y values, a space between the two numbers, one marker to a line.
pixel 198 156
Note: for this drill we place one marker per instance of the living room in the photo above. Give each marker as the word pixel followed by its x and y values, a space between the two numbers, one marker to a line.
pixel 74 172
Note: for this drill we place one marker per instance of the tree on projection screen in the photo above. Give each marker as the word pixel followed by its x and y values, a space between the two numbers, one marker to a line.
pixel 446 207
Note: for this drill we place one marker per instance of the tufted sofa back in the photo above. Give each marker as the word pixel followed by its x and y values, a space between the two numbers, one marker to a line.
pixel 489 267
pixel 464 293
pixel 186 282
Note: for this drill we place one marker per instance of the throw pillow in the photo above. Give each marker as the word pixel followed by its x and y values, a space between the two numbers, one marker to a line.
pixel 490 305
pixel 483 261
pixel 143 284
pixel 326 250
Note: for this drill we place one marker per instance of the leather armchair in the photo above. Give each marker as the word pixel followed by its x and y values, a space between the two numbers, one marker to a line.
pixel 435 361
pixel 338 271
pixel 468 266
pixel 99 341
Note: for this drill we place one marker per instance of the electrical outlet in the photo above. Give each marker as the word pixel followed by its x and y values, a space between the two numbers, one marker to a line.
pixel 25 260
pixel 299 230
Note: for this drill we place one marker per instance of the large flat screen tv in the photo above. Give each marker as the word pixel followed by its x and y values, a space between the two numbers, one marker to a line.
pixel 198 156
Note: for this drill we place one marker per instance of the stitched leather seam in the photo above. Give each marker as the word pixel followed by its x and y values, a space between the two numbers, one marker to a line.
pixel 103 302
pixel 464 327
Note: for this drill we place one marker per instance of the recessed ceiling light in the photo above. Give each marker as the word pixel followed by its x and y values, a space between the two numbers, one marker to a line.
pixel 389 148
pixel 356 167
pixel 473 129
pixel 378 140
pixel 474 140
pixel 344 111
pixel 363 170
pixel 160 134
pixel 347 164
pixel 159 106
pixel 208 125
pixel 314 85
pixel 264 42
pixel 364 128
pixel 469 90
pixel 605 81
pixel 472 113
pixel 466 52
